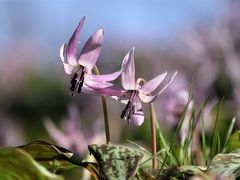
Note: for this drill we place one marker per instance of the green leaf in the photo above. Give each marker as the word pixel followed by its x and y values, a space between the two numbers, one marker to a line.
pixel 56 159
pixel 234 142
pixel 17 164
pixel 228 136
pixel 116 162
pixel 226 164
pixel 216 140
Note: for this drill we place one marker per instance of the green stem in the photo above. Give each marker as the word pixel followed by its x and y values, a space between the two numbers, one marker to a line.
pixel 105 112
pixel 153 131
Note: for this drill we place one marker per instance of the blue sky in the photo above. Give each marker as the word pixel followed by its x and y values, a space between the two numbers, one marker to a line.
pixel 134 19
pixel 46 24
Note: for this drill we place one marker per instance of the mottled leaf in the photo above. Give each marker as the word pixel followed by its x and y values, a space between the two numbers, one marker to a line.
pixel 176 172
pixel 116 162
pixel 18 165
pixel 234 142
pixel 226 164
pixel 193 170
pixel 149 173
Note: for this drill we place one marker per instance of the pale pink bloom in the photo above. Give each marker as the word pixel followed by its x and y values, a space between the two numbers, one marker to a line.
pixel 80 66
pixel 71 136
pixel 134 93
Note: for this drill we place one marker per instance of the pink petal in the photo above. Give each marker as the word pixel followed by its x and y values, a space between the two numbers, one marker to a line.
pixel 69 69
pixel 105 91
pixel 57 135
pixel 71 49
pixel 72 124
pixel 91 50
pixel 88 90
pixel 62 53
pixel 109 92
pixel 151 85
pixel 148 99
pixel 97 85
pixel 138 116
pixel 105 77
pixel 128 74
pixel 102 88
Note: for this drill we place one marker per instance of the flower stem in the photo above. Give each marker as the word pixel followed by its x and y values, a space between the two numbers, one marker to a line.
pixel 153 131
pixel 105 112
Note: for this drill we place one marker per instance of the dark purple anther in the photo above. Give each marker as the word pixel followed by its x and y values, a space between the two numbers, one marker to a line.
pixel 125 110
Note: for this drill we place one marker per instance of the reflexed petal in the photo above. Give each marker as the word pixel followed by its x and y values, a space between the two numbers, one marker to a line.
pixel 88 90
pixel 56 134
pixel 105 77
pixel 62 52
pixel 69 69
pixel 113 92
pixel 103 88
pixel 97 85
pixel 138 116
pixel 100 88
pixel 151 85
pixel 128 74
pixel 72 60
pixel 91 87
pixel 147 99
pixel 91 50
pixel 71 49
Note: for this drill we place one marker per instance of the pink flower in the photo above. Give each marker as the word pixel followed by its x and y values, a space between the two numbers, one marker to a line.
pixel 71 135
pixel 80 66
pixel 134 93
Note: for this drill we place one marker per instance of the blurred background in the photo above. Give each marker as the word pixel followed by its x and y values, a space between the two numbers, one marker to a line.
pixel 200 39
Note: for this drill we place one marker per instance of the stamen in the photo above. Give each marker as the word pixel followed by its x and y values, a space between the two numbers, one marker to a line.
pixel 130 108
pixel 131 112
pixel 123 113
pixel 74 78
pixel 129 117
pixel 125 110
pixel 133 108
pixel 80 86
pixel 81 82
pixel 73 83
pixel 72 87
pixel 77 81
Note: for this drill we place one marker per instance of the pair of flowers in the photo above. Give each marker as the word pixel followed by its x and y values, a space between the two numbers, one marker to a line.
pixel 80 66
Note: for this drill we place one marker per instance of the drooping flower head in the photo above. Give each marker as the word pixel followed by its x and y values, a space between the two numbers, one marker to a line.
pixel 81 65
pixel 134 93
